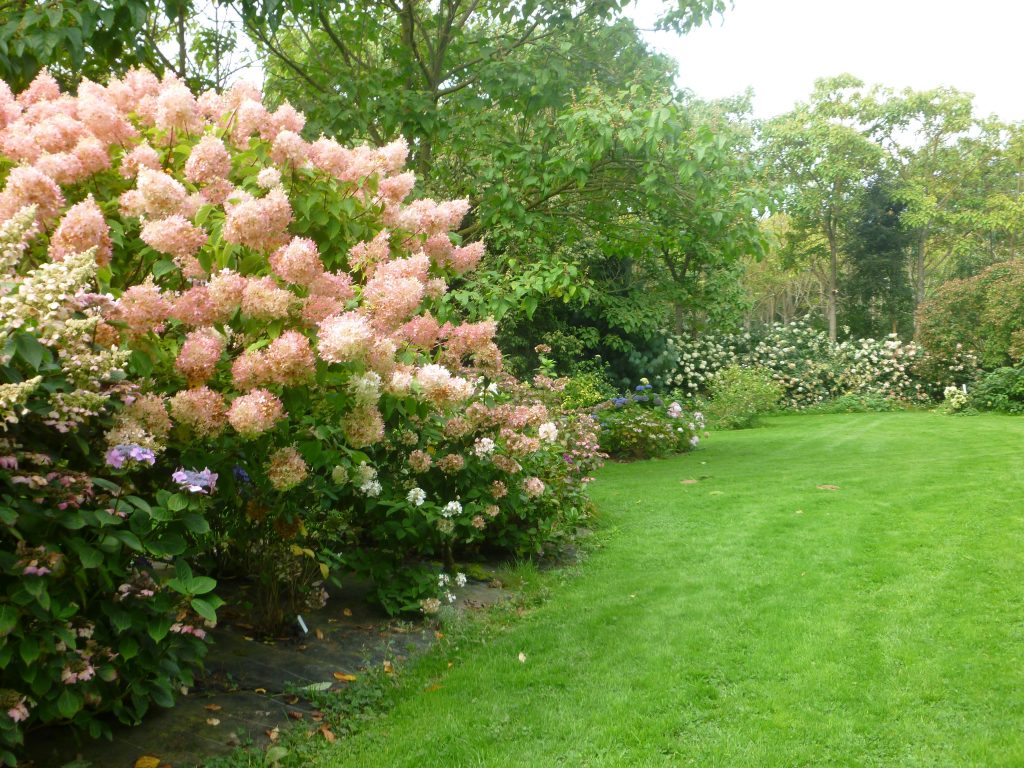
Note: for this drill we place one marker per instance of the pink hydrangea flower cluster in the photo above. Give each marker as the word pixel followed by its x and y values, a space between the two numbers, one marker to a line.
pixel 276 298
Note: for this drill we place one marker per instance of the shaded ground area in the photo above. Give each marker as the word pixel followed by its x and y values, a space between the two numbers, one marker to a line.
pixel 252 686
pixel 841 590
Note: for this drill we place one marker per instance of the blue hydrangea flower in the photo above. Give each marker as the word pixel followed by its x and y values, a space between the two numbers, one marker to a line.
pixel 119 454
pixel 195 481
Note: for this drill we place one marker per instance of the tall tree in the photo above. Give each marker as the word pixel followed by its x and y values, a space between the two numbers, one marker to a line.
pixel 878 298
pixel 607 197
pixel 821 159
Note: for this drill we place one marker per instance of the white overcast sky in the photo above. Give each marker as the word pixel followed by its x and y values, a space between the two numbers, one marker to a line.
pixel 779 47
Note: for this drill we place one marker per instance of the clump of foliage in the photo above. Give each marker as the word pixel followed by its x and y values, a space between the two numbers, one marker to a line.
pixel 739 395
pixel 983 314
pixel 999 390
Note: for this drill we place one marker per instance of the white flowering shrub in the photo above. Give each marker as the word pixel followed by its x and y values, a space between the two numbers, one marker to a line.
pixel 812 369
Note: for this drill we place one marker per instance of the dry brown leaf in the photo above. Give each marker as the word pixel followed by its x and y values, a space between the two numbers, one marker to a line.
pixel 347 612
pixel 319 633
pixel 147 761
pixel 317 715
pixel 214 707
pixel 273 734
pixel 294 714
pixel 291 700
pixel 438 635
pixel 259 690
pixel 212 721
pixel 828 487
pixel 345 677
pixel 327 734
pixel 389 668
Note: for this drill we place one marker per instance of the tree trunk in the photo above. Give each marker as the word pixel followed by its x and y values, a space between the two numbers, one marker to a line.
pixel 919 259
pixel 833 285
pixel 182 45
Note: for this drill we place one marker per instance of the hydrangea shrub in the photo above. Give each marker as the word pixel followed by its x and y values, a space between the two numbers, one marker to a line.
pixel 812 369
pixel 266 331
pixel 98 613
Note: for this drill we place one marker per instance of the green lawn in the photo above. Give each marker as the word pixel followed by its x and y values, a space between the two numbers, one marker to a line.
pixel 752 619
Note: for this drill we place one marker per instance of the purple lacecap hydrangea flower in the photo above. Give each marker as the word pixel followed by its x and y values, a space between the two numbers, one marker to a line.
pixel 195 481
pixel 119 454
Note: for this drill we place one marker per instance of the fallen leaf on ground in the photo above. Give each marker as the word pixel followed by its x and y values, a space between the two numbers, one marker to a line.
pixel 433 687
pixel 294 714
pixel 522 657
pixel 389 668
pixel 259 690
pixel 147 761
pixel 273 734
pixel 214 707
pixel 347 612
pixel 688 481
pixel 212 721
pixel 319 633
pixel 828 487
pixel 291 699
pixel 345 677
pixel 327 734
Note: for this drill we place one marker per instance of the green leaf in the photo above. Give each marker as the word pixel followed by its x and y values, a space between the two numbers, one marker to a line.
pixel 69 703
pixel 128 647
pixel 196 524
pixel 204 609
pixel 29 649
pixel 30 350
pixel 139 503
pixel 200 585
pixel 106 485
pixel 90 557
pixel 158 628
pixel 177 502
pixel 163 266
pixel 8 619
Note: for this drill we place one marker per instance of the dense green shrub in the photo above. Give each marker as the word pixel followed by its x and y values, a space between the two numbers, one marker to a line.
pixel 584 390
pixel 983 314
pixel 857 403
pixel 999 390
pixel 739 395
